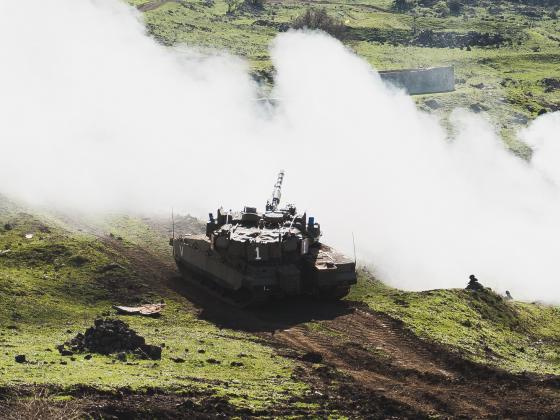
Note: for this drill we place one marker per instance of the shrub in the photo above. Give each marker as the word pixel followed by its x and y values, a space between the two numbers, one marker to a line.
pixel 441 8
pixel 254 4
pixel 320 19
pixel 232 6
pixel 455 7
pixel 403 5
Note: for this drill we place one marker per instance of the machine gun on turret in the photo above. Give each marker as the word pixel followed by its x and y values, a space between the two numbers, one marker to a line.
pixel 272 205
pixel 248 257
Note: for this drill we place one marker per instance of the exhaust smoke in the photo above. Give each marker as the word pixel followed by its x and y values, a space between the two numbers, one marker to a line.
pixel 97 116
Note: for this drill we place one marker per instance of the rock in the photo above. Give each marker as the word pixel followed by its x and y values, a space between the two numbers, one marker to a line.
pixel 433 104
pixel 236 364
pixel 109 336
pixel 201 351
pixel 20 358
pixel 475 108
pixel 88 357
pixel 121 356
pixel 550 84
pixel 312 357
pixel 110 267
pixel 8 226
pixel 152 352
pixel 213 361
pixel 474 284
pixel 64 351
pixel 178 359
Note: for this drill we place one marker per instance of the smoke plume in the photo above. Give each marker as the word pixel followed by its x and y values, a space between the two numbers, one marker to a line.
pixel 95 115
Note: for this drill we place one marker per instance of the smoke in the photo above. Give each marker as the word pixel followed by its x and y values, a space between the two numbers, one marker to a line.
pixel 96 116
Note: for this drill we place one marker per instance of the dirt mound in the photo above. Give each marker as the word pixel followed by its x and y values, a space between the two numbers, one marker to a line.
pixel 111 336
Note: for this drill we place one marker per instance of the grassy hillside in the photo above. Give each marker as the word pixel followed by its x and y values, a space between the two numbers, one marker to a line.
pixel 56 283
pixel 513 74
pixel 481 326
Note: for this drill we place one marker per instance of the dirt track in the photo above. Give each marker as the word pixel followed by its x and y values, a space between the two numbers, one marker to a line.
pixel 154 4
pixel 371 366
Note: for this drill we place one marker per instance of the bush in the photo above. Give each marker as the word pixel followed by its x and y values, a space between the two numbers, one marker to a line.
pixel 320 19
pixel 441 9
pixel 232 6
pixel 403 5
pixel 254 4
pixel 455 7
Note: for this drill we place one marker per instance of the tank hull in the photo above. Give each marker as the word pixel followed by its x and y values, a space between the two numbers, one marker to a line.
pixel 322 272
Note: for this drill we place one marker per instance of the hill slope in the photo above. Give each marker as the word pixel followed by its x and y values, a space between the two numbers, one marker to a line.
pixel 381 352
pixel 506 54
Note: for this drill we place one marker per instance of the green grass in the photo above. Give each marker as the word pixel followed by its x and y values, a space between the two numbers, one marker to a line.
pixel 481 326
pixel 48 295
pixel 512 75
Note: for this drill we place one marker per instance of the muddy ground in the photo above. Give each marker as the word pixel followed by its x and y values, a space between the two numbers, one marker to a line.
pixel 360 363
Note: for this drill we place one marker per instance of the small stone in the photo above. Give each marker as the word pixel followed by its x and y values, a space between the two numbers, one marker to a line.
pixel 312 357
pixel 236 364
pixel 178 359
pixel 201 351
pixel 433 104
pixel 20 358
pixel 213 361
pixel 87 357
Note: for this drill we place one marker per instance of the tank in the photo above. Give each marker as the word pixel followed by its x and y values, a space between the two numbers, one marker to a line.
pixel 249 257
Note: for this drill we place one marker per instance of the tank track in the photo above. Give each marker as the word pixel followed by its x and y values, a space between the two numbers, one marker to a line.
pixel 241 299
pixel 245 298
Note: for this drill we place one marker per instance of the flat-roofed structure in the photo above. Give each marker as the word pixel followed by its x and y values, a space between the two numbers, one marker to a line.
pixel 421 81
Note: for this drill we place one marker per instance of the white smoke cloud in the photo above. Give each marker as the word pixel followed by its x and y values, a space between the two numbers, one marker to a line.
pixel 96 115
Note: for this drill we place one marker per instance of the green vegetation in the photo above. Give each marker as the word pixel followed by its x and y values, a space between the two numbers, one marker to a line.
pixel 481 326
pixel 54 284
pixel 506 54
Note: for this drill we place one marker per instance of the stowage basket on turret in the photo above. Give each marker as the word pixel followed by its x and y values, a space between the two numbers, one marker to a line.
pixel 249 257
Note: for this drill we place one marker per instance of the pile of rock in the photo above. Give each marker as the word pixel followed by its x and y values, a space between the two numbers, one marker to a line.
pixel 109 336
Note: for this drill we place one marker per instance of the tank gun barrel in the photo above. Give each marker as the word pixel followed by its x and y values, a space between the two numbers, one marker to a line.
pixel 272 205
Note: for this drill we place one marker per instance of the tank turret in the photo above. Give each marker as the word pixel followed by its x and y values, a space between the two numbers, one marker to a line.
pixel 249 257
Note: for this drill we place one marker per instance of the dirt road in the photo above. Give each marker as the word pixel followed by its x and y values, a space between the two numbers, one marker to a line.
pixel 370 365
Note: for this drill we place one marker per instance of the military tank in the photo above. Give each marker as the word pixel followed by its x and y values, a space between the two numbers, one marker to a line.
pixel 249 257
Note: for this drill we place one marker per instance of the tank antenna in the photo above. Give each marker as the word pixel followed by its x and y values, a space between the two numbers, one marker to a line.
pixel 354 245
